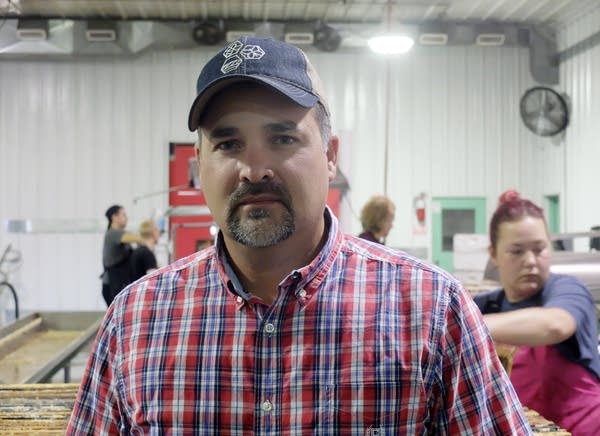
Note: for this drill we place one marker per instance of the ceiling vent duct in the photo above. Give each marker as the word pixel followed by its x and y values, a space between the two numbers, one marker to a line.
pixel 327 38
pixel 299 38
pixel 101 31
pixel 207 33
pixel 433 39
pixel 232 35
pixel 268 29
pixel 299 34
pixel 434 33
pixel 238 29
pixel 490 39
pixel 32 30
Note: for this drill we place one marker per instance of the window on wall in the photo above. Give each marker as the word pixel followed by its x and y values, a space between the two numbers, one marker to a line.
pixel 456 221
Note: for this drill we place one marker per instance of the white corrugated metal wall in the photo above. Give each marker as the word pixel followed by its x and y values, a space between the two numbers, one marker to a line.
pixel 79 135
pixel 454 129
pixel 580 79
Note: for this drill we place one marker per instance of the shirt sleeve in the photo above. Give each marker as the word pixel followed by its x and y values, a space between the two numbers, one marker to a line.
pixel 475 394
pixel 96 409
pixel 570 294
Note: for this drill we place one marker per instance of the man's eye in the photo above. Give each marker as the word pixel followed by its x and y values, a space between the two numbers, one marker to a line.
pixel 516 252
pixel 284 140
pixel 226 145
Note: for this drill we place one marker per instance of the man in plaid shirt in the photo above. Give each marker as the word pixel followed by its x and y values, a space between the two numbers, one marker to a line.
pixel 287 326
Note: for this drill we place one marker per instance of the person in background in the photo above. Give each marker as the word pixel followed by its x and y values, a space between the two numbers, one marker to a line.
pixel 201 244
pixel 286 325
pixel 116 253
pixel 143 259
pixel 377 217
pixel 551 318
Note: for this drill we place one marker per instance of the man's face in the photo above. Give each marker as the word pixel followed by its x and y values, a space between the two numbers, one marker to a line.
pixel 264 168
pixel 120 219
pixel 522 255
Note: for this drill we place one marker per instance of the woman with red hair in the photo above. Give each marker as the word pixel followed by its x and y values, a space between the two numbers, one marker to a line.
pixel 550 318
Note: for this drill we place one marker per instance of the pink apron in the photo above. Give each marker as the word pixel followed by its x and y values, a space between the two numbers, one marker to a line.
pixel 558 389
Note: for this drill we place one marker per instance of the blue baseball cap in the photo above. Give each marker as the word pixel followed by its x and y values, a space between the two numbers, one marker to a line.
pixel 276 64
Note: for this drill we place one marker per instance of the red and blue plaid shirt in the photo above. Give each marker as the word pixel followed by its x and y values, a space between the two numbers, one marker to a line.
pixel 363 341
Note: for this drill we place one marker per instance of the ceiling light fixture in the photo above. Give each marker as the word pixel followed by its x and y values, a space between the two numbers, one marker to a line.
pixel 391 44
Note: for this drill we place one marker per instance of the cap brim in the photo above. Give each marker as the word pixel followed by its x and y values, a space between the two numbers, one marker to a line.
pixel 294 93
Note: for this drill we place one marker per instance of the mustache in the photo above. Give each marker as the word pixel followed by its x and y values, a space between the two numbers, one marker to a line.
pixel 250 189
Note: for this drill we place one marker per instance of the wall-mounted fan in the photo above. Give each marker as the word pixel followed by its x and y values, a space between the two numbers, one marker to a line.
pixel 544 111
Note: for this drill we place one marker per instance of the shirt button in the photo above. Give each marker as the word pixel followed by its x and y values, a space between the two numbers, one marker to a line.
pixel 302 293
pixel 266 406
pixel 239 299
pixel 269 328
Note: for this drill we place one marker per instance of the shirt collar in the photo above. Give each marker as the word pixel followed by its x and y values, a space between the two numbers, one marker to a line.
pixel 306 279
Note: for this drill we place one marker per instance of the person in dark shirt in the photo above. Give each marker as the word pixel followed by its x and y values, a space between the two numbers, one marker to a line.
pixel 143 259
pixel 116 253
pixel 377 217
pixel 548 319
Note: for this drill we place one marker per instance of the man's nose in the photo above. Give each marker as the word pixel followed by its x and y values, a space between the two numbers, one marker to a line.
pixel 256 165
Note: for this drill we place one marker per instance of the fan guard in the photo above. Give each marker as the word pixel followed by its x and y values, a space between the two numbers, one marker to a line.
pixel 544 111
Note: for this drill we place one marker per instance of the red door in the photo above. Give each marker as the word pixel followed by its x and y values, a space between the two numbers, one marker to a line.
pixel 189 226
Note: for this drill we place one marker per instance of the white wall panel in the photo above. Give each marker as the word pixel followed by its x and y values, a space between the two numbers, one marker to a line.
pixel 580 80
pixel 77 136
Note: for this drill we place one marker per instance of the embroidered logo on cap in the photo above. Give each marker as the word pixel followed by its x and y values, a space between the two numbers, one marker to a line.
pixel 236 52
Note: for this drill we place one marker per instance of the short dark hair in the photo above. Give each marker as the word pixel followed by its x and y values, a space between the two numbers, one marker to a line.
pixel 111 211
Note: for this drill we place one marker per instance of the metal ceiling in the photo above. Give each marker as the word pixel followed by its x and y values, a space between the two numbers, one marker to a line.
pixel 550 14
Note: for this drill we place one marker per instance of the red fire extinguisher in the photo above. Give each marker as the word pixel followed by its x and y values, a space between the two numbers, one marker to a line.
pixel 419 205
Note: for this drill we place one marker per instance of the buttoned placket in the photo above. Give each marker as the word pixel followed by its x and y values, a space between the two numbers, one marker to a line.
pixel 269 356
pixel 268 362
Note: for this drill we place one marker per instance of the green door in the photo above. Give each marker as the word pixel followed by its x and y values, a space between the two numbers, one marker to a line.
pixel 553 213
pixel 452 215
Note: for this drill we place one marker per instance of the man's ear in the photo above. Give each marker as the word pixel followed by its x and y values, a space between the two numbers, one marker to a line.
pixel 197 145
pixel 332 154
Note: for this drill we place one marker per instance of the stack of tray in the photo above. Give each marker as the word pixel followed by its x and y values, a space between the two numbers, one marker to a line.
pixel 36 409
pixel 542 426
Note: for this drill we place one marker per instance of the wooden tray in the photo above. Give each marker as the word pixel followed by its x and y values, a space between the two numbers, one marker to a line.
pixel 34 348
